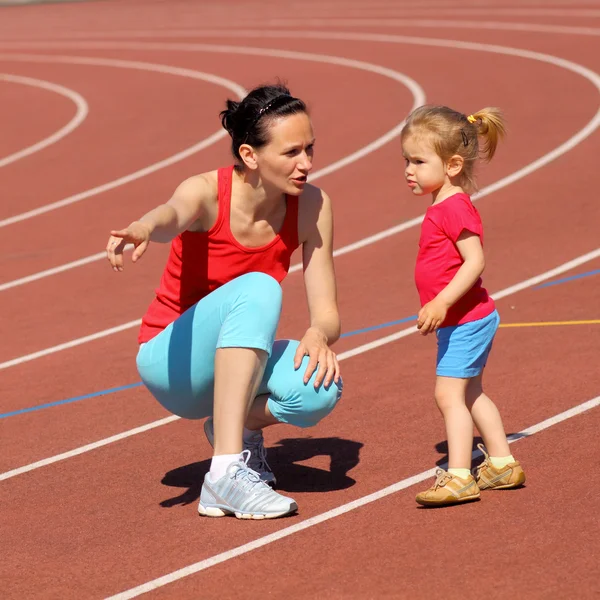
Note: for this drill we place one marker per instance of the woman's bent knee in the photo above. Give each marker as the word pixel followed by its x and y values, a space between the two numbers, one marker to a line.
pixel 177 394
pixel 290 399
pixel 318 404
pixel 309 406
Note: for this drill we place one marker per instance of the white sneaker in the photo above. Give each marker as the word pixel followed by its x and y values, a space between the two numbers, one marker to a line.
pixel 258 453
pixel 242 492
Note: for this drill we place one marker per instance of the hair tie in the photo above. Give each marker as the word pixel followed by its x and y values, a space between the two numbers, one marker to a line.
pixel 472 119
pixel 263 110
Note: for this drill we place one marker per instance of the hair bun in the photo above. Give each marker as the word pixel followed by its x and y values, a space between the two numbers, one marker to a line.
pixel 228 115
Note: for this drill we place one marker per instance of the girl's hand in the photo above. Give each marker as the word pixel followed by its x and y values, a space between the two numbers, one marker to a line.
pixel 137 233
pixel 314 345
pixel 431 316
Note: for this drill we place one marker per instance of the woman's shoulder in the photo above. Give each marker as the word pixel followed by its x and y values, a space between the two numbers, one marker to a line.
pixel 203 182
pixel 313 197
pixel 314 211
pixel 201 188
pixel 313 202
pixel 200 193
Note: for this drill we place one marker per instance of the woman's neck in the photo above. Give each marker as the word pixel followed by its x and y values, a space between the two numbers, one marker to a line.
pixel 257 200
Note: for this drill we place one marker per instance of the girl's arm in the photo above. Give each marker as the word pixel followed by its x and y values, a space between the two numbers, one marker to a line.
pixel 432 315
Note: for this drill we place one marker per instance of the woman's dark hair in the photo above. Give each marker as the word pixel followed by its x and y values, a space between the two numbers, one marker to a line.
pixel 247 121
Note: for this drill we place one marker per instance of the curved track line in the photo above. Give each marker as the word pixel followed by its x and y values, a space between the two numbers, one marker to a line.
pixel 344 22
pixel 80 114
pixel 470 10
pixel 125 64
pixel 415 89
pixel 424 23
pixel 590 75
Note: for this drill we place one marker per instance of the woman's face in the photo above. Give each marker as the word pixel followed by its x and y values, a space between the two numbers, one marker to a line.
pixel 286 159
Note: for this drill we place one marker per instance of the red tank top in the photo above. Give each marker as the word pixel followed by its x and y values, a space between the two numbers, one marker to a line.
pixel 200 262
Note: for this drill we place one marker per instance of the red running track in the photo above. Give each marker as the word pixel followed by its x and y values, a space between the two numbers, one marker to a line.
pixel 122 515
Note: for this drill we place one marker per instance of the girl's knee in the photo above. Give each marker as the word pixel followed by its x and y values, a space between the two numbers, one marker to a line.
pixel 450 391
pixel 446 399
pixel 474 389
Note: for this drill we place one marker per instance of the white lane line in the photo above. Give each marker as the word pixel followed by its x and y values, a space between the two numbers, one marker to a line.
pixel 52 271
pixel 418 98
pixel 386 12
pixel 343 356
pixel 413 86
pixel 56 270
pixel 81 113
pixel 591 76
pixel 333 513
pixel 468 11
pixel 344 22
pixel 125 64
pixel 431 23
pixel 78 342
pixel 88 447
pixel 512 12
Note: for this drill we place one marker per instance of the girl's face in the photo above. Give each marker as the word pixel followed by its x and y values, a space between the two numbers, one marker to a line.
pixel 286 160
pixel 425 171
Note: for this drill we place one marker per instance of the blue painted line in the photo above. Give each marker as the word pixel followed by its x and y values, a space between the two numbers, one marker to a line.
pixel 70 400
pixel 375 327
pixel 344 335
pixel 566 279
pixel 139 383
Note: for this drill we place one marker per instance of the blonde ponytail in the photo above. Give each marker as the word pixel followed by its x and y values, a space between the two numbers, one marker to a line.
pixel 491 126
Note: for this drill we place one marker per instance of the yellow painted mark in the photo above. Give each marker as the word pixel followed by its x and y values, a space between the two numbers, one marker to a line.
pixel 551 323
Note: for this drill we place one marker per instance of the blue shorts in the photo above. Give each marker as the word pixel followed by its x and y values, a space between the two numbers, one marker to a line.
pixel 463 350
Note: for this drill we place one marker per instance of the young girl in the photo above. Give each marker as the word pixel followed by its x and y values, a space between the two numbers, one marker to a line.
pixel 440 147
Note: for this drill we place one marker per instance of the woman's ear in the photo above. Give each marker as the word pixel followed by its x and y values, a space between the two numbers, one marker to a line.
pixel 248 156
pixel 455 165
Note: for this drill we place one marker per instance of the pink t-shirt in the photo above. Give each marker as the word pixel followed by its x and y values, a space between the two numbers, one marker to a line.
pixel 439 259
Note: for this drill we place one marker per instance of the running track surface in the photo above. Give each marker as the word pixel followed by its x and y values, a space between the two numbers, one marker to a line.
pixel 141 85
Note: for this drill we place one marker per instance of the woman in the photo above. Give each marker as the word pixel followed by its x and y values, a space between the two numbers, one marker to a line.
pixel 207 344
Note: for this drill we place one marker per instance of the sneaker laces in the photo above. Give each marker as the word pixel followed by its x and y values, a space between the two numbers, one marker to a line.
pixel 486 462
pixel 258 454
pixel 242 471
pixel 442 478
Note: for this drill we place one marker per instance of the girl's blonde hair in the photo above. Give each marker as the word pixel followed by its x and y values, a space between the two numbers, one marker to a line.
pixel 455 133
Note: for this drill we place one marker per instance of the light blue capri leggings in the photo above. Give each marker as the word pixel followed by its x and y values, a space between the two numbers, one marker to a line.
pixel 177 365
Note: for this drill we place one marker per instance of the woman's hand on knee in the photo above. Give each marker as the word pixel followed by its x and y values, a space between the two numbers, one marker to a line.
pixel 321 357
